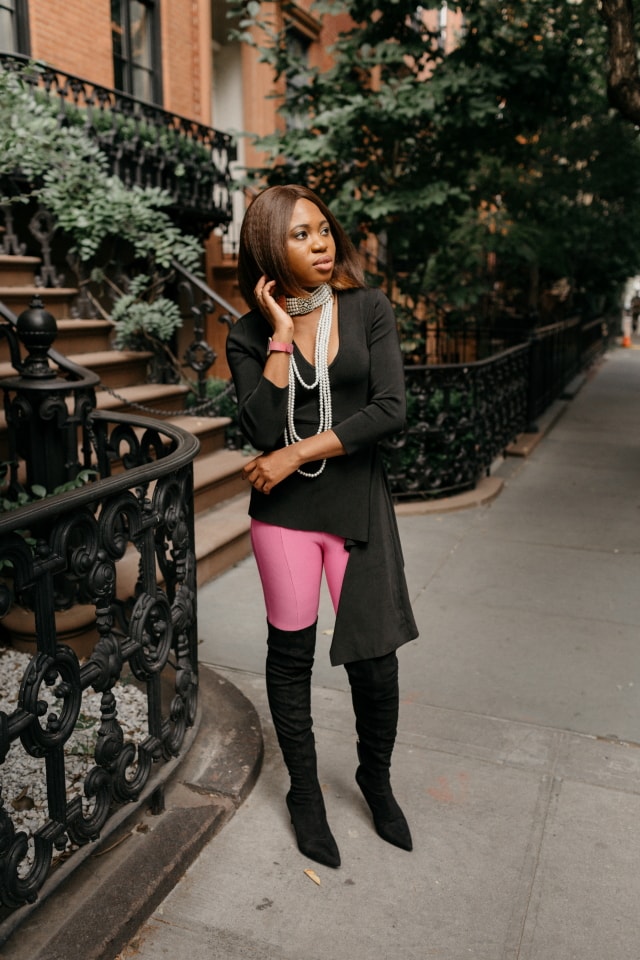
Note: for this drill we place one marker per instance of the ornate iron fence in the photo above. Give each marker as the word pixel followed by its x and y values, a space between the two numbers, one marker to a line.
pixel 120 547
pixel 558 352
pixel 459 418
pixel 146 145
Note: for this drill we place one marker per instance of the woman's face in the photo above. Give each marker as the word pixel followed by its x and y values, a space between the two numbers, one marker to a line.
pixel 311 249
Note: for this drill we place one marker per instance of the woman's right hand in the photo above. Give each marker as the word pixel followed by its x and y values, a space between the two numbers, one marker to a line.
pixel 272 308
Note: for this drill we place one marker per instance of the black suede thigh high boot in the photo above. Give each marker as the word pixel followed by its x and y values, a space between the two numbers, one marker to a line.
pixel 288 677
pixel 375 696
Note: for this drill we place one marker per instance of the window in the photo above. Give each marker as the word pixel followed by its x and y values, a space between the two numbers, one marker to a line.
pixel 14 26
pixel 302 33
pixel 298 45
pixel 135 33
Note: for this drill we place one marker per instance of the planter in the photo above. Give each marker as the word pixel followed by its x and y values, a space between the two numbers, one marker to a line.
pixel 74 627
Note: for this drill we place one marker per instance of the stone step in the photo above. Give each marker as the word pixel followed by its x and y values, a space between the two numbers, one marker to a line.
pixel 222 537
pixel 83 336
pixel 116 368
pixel 57 300
pixel 210 431
pixel 154 398
pixel 74 336
pixel 17 271
pixel 217 477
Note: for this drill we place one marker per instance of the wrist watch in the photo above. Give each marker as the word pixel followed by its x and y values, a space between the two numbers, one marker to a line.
pixel 276 347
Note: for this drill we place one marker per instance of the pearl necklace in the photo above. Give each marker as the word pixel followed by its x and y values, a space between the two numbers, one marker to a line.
pixel 296 306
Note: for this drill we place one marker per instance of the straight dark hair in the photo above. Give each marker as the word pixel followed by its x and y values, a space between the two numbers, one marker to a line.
pixel 263 244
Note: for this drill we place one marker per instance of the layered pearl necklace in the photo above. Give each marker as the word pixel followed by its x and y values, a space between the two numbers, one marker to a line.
pixel 322 296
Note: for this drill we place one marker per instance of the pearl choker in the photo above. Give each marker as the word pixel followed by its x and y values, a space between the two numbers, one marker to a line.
pixel 296 306
pixel 322 296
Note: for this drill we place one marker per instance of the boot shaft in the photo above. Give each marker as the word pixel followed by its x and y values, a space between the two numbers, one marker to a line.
pixel 288 673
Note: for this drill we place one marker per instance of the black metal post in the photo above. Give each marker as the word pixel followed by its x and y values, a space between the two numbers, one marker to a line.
pixel 43 429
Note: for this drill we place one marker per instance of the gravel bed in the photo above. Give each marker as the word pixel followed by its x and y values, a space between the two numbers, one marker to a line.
pixel 22 777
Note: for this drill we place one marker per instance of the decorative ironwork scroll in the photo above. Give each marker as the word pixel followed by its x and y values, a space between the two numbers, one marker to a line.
pixel 459 418
pixel 129 540
pixel 122 546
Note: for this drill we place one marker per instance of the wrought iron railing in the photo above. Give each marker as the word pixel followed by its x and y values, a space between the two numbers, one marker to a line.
pixel 146 145
pixel 199 301
pixel 459 418
pixel 122 546
pixel 558 352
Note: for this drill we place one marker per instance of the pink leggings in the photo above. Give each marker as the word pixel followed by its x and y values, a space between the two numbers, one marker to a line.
pixel 290 565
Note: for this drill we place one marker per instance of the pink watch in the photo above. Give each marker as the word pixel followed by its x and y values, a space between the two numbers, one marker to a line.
pixel 275 347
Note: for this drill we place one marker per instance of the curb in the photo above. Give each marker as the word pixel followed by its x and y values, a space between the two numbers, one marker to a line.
pixel 486 490
pixel 101 905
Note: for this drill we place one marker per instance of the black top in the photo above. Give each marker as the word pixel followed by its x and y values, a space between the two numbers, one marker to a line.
pixel 351 497
pixel 368 404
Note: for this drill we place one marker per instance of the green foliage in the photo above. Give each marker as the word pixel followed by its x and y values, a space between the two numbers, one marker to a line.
pixel 105 222
pixel 487 174
pixel 139 320
pixel 221 395
pixel 12 500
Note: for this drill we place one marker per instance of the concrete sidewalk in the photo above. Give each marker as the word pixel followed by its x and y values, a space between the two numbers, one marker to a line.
pixel 517 760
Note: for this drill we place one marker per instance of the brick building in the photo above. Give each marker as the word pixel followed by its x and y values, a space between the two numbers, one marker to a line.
pixel 175 54
pixel 178 55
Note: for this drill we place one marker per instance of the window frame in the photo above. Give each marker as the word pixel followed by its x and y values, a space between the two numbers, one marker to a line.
pixel 21 33
pixel 127 64
pixel 302 28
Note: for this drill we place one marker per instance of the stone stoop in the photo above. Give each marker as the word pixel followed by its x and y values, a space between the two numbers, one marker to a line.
pixel 221 496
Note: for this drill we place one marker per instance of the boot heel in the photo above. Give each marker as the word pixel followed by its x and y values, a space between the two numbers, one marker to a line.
pixel 315 840
pixel 388 819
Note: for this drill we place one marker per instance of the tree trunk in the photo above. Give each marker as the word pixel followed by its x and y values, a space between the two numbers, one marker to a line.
pixel 623 80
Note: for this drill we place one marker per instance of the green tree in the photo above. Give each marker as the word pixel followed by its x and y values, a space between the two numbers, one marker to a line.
pixel 489 176
pixel 103 223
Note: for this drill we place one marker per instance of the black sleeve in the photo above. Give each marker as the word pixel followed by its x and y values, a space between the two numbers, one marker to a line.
pixel 385 411
pixel 262 406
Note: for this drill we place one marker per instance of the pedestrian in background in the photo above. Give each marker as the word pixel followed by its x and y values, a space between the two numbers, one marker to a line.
pixel 319 379
pixel 635 310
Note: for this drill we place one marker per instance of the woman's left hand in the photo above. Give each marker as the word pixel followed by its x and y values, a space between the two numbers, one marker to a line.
pixel 266 471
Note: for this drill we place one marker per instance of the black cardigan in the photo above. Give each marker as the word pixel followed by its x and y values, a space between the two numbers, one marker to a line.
pixel 350 498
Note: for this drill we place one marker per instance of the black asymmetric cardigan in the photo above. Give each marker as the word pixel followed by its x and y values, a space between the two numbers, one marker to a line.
pixel 350 498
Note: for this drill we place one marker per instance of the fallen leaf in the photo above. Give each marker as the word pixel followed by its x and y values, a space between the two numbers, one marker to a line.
pixel 23 801
pixel 313 876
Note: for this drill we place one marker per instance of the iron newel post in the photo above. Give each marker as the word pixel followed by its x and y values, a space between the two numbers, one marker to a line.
pixel 43 427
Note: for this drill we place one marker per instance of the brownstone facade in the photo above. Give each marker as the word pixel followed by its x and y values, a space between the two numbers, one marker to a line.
pixel 205 76
pixel 75 36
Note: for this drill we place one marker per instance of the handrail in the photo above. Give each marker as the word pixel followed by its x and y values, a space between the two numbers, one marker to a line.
pixel 205 289
pixel 186 446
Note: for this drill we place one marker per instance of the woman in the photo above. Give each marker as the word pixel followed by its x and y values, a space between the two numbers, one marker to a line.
pixel 319 379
